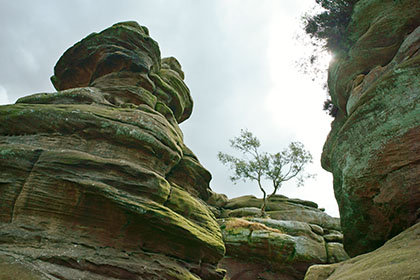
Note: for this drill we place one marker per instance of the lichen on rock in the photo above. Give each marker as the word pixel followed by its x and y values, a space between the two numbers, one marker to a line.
pixel 93 177
pixel 295 235
pixel 397 259
pixel 373 147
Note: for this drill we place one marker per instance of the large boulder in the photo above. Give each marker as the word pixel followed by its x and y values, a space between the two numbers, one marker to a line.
pixel 397 259
pixel 95 179
pixel 294 236
pixel 373 149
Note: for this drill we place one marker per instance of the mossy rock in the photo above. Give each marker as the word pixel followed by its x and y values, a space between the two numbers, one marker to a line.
pixel 397 259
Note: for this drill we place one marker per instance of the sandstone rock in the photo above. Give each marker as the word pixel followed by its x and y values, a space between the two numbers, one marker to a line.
pixel 308 216
pixel 217 199
pixel 377 30
pixel 190 174
pixel 125 62
pixel 123 47
pixel 280 208
pixel 335 252
pixel 373 147
pixel 276 202
pixel 397 259
pixel 317 229
pixel 10 268
pixel 241 212
pixel 253 242
pixel 95 180
pixel 333 236
pixel 294 228
pixel 241 269
pixel 281 246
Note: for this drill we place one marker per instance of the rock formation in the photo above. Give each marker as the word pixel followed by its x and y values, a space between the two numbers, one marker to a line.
pixel 397 259
pixel 296 235
pixel 373 149
pixel 95 180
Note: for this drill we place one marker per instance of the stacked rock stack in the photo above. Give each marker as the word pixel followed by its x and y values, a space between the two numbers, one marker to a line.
pixel 93 177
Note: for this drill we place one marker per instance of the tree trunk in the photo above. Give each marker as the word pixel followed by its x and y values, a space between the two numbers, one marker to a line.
pixel 264 197
pixel 264 205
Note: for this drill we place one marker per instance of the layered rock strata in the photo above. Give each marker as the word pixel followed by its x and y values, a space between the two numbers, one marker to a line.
pixel 282 246
pixel 373 149
pixel 95 180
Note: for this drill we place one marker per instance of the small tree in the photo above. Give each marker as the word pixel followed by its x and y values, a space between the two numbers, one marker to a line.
pixel 256 166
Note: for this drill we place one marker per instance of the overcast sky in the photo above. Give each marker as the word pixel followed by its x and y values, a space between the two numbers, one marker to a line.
pixel 239 60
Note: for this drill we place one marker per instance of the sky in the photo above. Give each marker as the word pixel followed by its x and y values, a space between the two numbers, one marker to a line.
pixel 239 59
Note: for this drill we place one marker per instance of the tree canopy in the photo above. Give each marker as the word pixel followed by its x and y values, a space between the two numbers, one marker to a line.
pixel 259 166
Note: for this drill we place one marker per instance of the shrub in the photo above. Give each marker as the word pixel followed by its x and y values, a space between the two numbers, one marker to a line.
pixel 331 23
pixel 327 30
pixel 330 108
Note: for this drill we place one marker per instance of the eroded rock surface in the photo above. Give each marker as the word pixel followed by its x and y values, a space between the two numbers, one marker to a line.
pixel 373 149
pixel 295 235
pixel 95 180
pixel 397 259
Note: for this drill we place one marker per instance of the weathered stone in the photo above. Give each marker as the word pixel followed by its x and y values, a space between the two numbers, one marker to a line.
pixel 293 228
pixel 276 202
pixel 397 259
pixel 241 212
pixel 317 229
pixel 11 268
pixel 123 47
pixel 280 246
pixel 216 211
pixel 173 92
pixel 124 61
pixel 336 252
pixel 191 175
pixel 95 180
pixel 255 242
pixel 242 269
pixel 333 236
pixel 308 216
pixel 281 208
pixel 373 147
pixel 80 262
pixel 217 199
pixel 376 31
